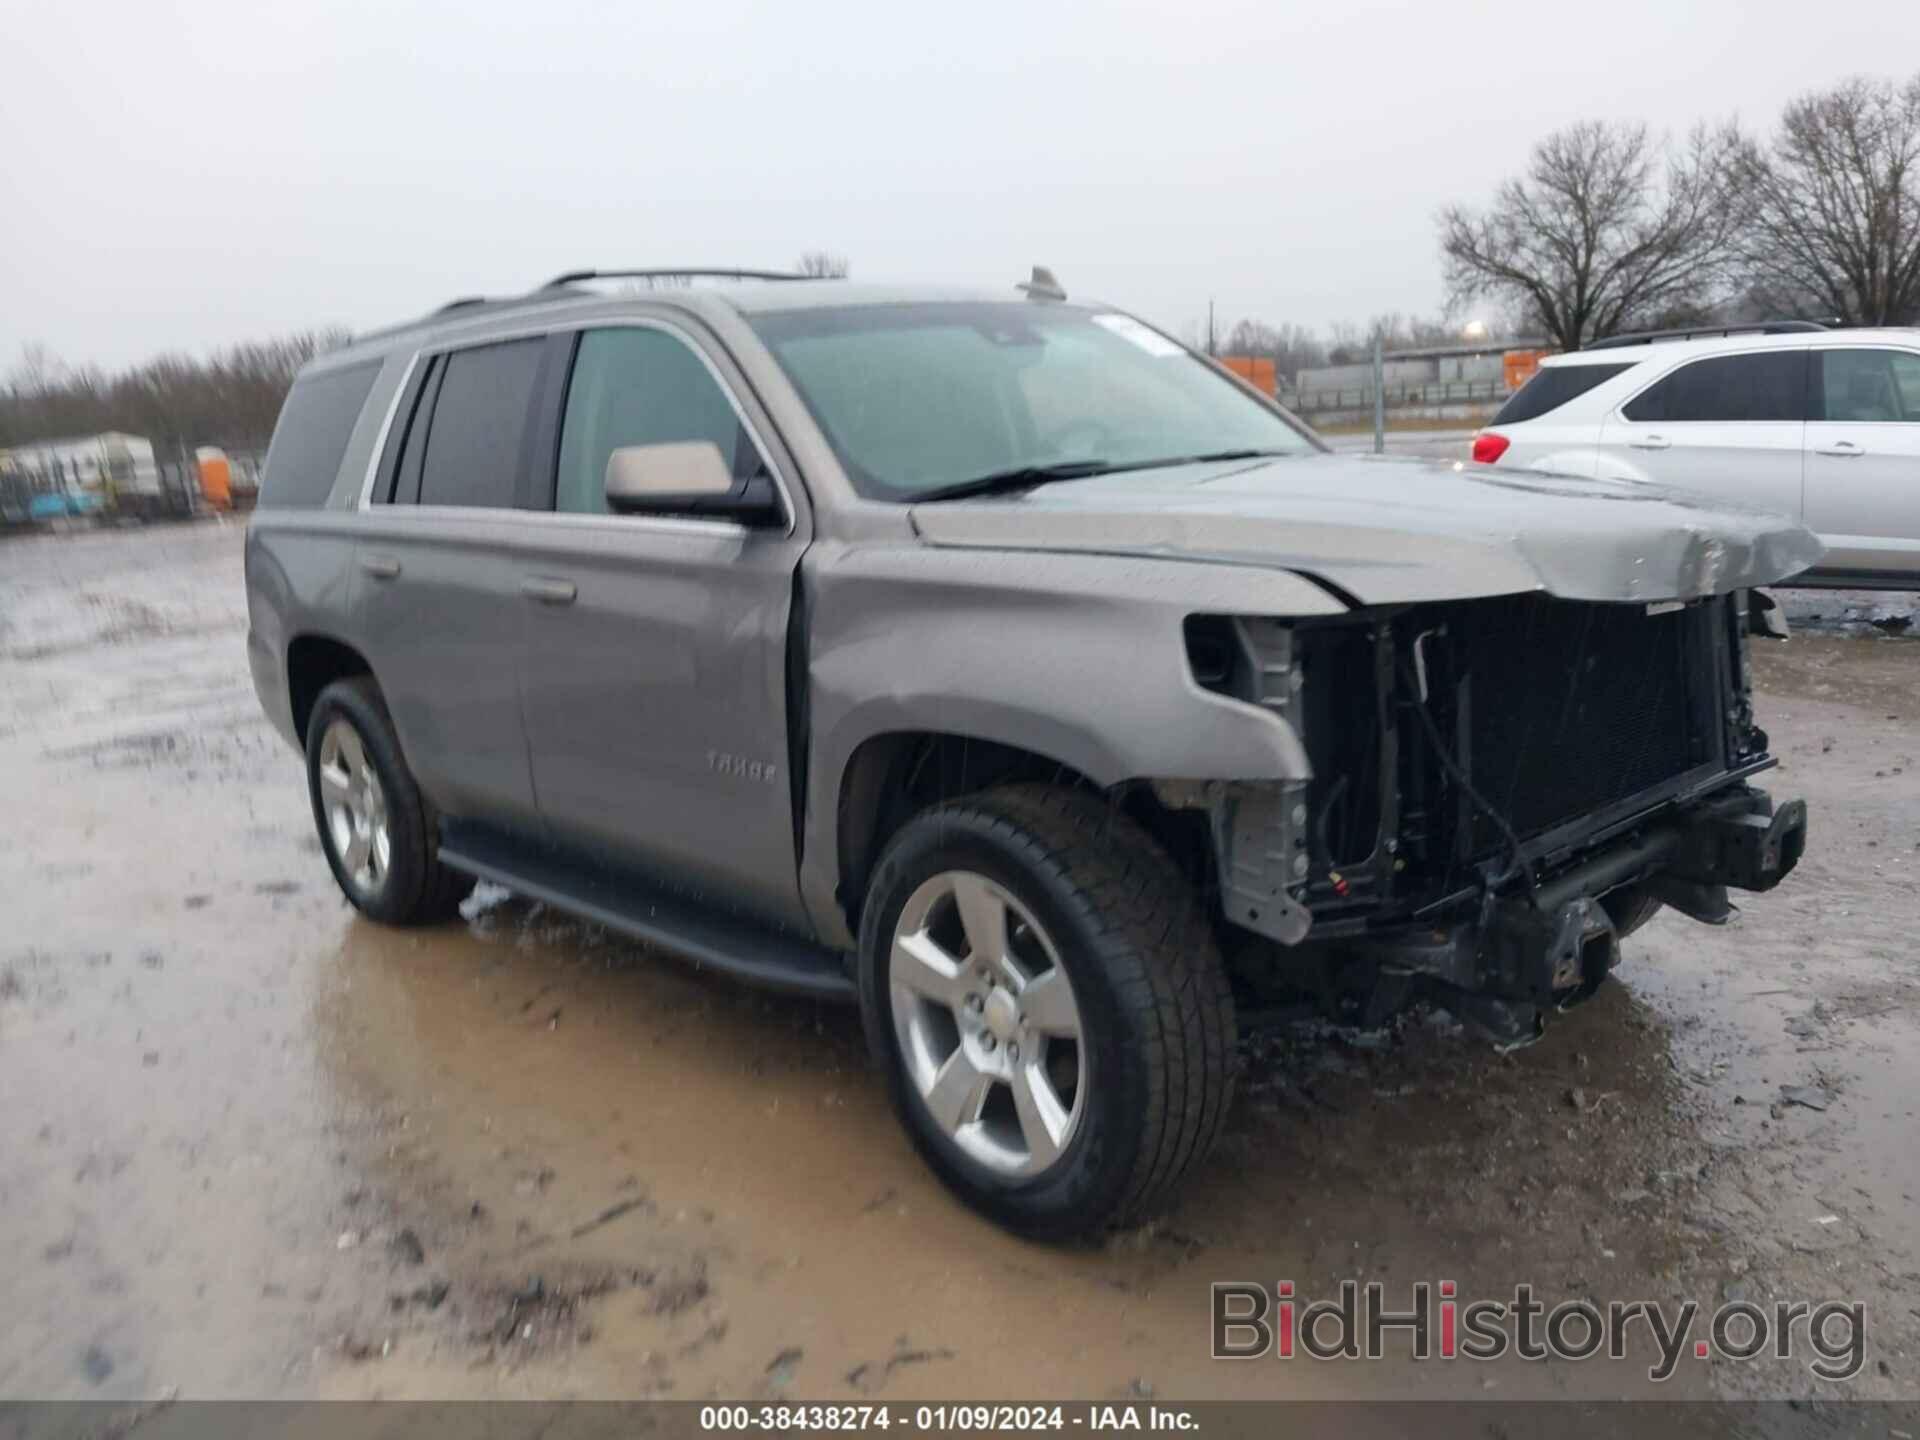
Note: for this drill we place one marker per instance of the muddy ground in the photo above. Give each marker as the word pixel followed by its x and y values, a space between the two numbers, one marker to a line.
pixel 252 1145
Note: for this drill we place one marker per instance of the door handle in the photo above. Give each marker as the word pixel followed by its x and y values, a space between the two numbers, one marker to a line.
pixel 1841 448
pixel 1651 442
pixel 547 591
pixel 381 567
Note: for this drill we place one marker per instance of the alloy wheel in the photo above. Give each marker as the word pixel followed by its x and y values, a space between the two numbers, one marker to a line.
pixel 355 806
pixel 988 1027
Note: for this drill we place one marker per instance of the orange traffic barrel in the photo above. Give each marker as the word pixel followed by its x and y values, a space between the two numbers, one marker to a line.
pixel 216 477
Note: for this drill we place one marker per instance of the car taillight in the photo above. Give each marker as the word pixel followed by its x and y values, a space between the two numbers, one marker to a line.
pixel 1489 447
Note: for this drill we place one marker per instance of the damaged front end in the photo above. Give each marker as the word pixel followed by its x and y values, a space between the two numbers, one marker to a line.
pixel 1499 788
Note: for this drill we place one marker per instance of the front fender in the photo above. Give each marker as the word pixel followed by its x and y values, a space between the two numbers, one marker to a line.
pixel 1079 658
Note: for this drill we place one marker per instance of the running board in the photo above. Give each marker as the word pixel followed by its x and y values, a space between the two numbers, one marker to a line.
pixel 731 944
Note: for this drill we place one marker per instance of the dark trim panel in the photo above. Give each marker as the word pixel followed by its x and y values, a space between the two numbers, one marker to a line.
pixel 709 937
pixel 1822 579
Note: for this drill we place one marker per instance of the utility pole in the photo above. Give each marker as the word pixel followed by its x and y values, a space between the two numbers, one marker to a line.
pixel 1379 397
pixel 1213 347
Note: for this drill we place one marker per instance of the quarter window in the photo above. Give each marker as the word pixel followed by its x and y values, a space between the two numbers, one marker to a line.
pixel 1767 386
pixel 1870 386
pixel 311 437
pixel 478 422
pixel 1553 386
pixel 634 385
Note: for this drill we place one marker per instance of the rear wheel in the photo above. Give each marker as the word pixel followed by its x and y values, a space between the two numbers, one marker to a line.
pixel 374 825
pixel 1044 990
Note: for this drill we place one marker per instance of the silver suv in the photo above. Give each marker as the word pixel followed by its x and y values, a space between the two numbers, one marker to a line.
pixel 1003 666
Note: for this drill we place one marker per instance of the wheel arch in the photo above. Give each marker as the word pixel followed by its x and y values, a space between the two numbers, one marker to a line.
pixel 892 776
pixel 315 661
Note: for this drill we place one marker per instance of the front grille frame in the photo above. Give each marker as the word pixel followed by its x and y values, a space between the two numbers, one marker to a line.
pixel 1429 846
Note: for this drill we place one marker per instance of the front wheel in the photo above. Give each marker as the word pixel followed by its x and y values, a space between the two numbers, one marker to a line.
pixel 1044 990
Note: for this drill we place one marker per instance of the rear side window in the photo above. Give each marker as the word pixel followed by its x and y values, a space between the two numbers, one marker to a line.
pixel 479 420
pixel 311 438
pixel 1770 386
pixel 1553 386
pixel 1868 386
pixel 637 386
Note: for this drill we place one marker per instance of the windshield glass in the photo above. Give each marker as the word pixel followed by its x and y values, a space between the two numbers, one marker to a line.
pixel 917 398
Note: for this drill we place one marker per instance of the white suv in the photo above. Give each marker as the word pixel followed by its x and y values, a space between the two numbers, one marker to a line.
pixel 1820 425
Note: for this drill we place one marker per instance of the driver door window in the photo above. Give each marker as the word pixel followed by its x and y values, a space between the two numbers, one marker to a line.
pixel 1870 387
pixel 639 386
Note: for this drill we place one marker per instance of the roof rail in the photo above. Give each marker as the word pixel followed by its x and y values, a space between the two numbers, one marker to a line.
pixel 1759 327
pixel 560 282
pixel 553 291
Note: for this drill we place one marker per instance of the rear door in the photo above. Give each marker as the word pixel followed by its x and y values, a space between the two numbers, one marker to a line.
pixel 1863 458
pixel 1553 422
pixel 657 679
pixel 438 593
pixel 1725 425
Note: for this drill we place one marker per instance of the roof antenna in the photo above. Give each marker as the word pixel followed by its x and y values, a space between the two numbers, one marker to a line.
pixel 1042 286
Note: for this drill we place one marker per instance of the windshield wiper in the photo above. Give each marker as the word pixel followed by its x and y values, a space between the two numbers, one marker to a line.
pixel 1026 477
pixel 1021 477
pixel 1227 455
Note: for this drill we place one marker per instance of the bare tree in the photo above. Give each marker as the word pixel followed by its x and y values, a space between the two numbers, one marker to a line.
pixel 1349 343
pixel 1397 331
pixel 232 397
pixel 1294 348
pixel 1834 211
pixel 38 369
pixel 1290 347
pixel 1608 229
pixel 823 265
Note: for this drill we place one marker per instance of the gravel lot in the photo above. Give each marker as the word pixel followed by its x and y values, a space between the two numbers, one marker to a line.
pixel 253 1145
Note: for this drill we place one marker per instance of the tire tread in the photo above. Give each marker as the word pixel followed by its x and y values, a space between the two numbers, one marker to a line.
pixel 1157 947
pixel 436 891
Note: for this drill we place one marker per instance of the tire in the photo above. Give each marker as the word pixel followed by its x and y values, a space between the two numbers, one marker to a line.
pixel 1629 908
pixel 398 882
pixel 1087 892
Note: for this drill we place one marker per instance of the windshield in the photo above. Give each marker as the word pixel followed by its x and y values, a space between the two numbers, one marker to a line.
pixel 920 398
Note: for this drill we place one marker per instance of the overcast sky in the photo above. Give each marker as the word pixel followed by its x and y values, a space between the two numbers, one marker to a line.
pixel 178 176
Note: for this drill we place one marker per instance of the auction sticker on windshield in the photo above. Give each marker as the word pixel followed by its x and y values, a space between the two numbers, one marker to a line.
pixel 1147 338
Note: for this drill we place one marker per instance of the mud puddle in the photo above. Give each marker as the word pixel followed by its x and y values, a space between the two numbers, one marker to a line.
pixel 557 1110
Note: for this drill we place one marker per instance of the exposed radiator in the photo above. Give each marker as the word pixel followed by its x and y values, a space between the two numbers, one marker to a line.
pixel 1577 706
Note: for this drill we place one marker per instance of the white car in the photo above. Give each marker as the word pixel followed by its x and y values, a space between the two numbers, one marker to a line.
pixel 1820 425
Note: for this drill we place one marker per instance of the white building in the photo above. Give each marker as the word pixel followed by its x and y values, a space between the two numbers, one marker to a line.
pixel 109 466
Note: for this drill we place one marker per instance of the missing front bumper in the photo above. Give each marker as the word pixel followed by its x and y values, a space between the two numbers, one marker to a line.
pixel 1550 946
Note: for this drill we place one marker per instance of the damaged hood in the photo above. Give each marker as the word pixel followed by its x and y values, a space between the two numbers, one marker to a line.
pixel 1388 530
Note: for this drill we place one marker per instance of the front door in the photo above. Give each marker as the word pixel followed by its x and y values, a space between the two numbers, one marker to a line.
pixel 656 658
pixel 1863 459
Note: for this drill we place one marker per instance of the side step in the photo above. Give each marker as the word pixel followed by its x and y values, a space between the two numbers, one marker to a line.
pixel 731 944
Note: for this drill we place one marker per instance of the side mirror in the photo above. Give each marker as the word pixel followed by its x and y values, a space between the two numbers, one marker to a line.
pixel 688 477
